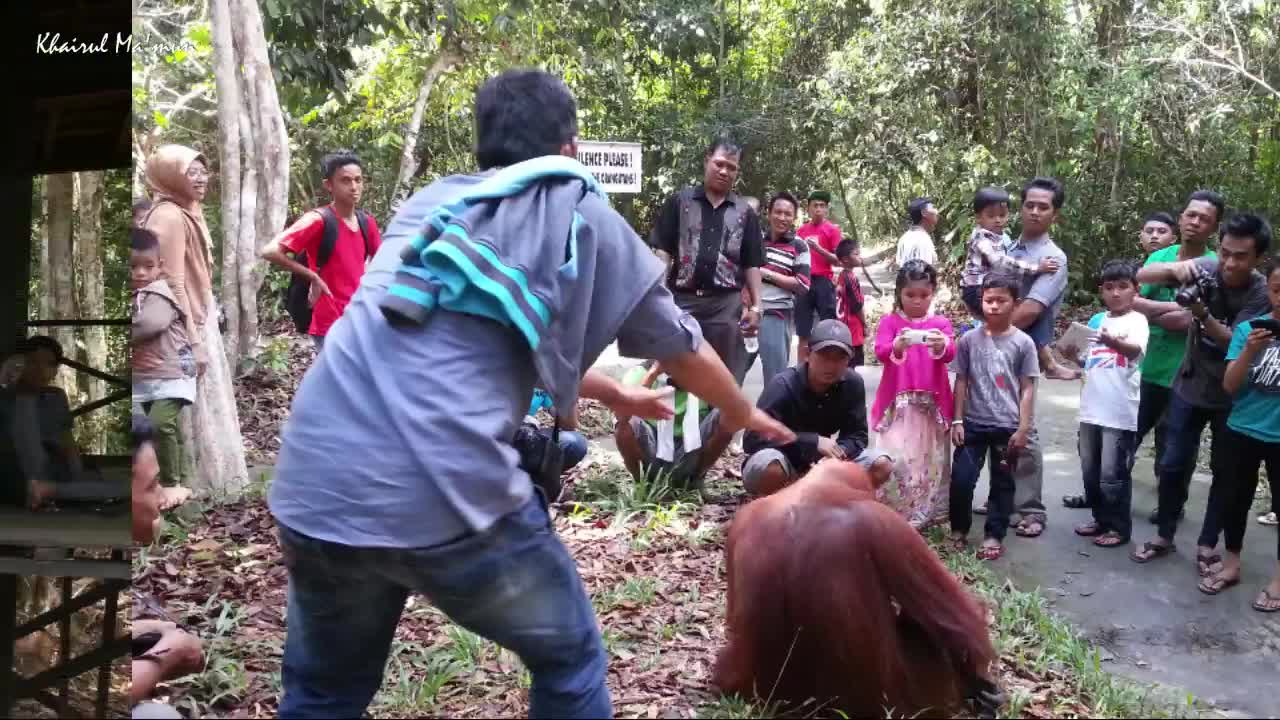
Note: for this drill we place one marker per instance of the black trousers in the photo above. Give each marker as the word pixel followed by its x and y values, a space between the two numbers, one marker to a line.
pixel 1185 423
pixel 1244 455
pixel 819 301
pixel 1152 406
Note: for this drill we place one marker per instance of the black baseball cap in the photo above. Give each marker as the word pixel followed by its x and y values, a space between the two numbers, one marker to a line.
pixel 831 333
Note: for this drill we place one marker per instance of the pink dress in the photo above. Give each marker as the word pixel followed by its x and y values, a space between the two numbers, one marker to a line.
pixel 912 415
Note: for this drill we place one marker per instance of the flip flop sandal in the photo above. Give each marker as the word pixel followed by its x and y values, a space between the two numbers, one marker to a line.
pixel 1110 539
pixel 1075 502
pixel 1269 519
pixel 1088 530
pixel 1263 598
pixel 1156 551
pixel 1024 528
pixel 1206 585
pixel 1205 564
pixel 988 552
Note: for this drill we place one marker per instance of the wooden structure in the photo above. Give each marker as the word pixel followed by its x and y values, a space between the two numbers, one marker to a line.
pixel 68 111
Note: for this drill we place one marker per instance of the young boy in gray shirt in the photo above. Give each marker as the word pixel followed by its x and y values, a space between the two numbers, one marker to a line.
pixel 996 369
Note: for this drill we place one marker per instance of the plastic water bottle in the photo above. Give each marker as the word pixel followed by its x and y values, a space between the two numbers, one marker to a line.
pixel 751 341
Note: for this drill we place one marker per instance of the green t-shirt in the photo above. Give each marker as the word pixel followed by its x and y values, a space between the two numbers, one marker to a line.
pixel 680 401
pixel 1165 348
pixel 1256 411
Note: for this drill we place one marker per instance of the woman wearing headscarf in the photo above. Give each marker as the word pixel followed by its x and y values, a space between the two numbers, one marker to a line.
pixel 179 178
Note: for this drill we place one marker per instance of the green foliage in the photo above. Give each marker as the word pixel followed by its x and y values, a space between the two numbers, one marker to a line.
pixel 877 100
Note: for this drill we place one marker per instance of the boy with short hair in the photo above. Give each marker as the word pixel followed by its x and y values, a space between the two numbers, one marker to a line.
pixel 164 369
pixel 333 271
pixel 996 370
pixel 987 249
pixel 850 301
pixel 1109 406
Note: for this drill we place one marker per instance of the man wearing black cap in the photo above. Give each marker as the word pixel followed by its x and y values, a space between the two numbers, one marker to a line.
pixel 824 402
pixel 712 239
pixel 823 238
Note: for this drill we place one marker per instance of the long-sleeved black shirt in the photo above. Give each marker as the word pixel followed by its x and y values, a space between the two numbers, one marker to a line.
pixel 841 410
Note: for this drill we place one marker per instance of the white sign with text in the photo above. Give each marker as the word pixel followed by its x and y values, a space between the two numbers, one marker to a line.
pixel 615 165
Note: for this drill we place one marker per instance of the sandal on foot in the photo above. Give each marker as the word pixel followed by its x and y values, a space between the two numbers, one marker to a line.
pixel 1075 502
pixel 1266 602
pixel 1030 528
pixel 1089 529
pixel 990 552
pixel 1151 551
pixel 1216 584
pixel 1111 538
pixel 1205 563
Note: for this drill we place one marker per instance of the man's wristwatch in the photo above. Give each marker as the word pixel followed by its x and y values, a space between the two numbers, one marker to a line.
pixel 755 309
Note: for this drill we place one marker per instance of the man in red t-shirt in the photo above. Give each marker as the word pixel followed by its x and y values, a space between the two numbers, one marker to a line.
pixel 333 284
pixel 823 238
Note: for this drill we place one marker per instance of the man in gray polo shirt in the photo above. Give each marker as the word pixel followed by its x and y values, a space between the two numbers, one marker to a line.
pixel 397 472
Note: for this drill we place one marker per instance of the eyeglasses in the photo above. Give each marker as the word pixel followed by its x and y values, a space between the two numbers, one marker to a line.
pixel 197 173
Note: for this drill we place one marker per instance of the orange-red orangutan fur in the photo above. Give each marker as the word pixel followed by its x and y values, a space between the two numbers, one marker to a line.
pixel 833 596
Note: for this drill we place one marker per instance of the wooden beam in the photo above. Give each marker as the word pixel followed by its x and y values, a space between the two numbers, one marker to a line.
pixel 15 227
pixel 65 568
pixel 8 618
pixel 95 593
pixel 112 649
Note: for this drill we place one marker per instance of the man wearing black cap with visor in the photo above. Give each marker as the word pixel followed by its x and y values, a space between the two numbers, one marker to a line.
pixel 824 402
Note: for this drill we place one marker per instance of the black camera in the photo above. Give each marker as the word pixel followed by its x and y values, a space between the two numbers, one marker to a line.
pixel 1200 290
pixel 541 457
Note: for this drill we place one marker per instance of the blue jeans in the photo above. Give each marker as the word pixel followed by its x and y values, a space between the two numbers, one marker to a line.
pixel 514 584
pixel 1106 464
pixel 1184 424
pixel 775 344
pixel 966 467
pixel 573 446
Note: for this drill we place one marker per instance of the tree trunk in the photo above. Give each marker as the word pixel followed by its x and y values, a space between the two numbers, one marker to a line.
pixel 271 155
pixel 230 104
pixel 60 283
pixel 218 447
pixel 88 246
pixel 46 297
pixel 445 60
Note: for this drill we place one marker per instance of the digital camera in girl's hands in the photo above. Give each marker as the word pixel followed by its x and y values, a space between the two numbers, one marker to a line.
pixel 915 337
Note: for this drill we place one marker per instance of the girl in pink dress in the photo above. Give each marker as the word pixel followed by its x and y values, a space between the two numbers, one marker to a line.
pixel 913 406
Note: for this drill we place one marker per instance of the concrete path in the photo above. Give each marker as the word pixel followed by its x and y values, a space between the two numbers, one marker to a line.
pixel 1150 620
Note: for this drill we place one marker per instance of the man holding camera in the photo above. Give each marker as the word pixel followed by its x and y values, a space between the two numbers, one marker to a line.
pixel 1219 293
pixel 1169 321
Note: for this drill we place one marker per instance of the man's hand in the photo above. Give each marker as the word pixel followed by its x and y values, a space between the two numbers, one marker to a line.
pixel 957 435
pixel 1047 265
pixel 1258 339
pixel 761 423
pixel 201 355
pixel 1198 310
pixel 830 448
pixel 1017 443
pixel 318 288
pixel 644 403
pixel 936 341
pixel 750 322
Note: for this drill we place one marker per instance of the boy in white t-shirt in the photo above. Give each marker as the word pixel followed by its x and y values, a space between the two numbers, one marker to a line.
pixel 1109 406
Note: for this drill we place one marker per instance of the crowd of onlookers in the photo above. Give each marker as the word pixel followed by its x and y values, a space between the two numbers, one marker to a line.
pixel 409 462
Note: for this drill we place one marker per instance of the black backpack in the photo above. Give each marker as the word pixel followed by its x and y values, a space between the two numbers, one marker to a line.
pixel 295 296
